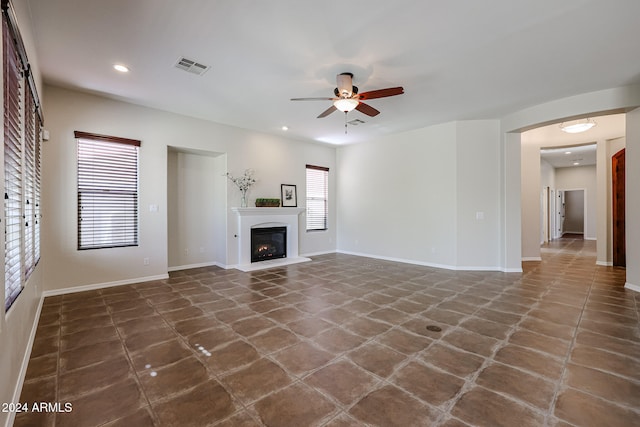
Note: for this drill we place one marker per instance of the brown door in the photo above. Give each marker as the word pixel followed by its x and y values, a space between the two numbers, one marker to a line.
pixel 619 247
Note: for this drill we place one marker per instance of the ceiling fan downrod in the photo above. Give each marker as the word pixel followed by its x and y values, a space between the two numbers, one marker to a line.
pixel 345 122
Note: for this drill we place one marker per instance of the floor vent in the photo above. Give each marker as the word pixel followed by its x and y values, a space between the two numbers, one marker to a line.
pixel 191 66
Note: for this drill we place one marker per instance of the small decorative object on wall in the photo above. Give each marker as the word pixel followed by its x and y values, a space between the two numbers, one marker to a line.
pixel 243 183
pixel 267 203
pixel 289 197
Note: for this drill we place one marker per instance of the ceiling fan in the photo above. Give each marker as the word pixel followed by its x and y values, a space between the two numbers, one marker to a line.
pixel 347 97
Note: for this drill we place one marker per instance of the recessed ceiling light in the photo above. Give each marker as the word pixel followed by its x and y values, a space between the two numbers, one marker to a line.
pixel 576 163
pixel 121 68
pixel 285 128
pixel 567 152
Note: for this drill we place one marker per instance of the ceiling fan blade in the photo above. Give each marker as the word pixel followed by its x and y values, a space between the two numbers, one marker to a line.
pixel 381 93
pixel 326 112
pixel 313 99
pixel 367 109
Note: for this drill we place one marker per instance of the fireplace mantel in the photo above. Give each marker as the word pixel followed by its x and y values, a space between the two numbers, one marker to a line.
pixel 249 218
pixel 267 211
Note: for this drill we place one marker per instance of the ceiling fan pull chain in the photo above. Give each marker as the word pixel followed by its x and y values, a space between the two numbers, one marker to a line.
pixel 345 122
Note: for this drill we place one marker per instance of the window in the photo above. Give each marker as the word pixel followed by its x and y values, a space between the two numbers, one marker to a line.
pixel 317 196
pixel 107 191
pixel 13 122
pixel 22 124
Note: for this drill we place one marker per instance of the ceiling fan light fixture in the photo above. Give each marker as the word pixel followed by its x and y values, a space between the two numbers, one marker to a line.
pixel 345 104
pixel 578 126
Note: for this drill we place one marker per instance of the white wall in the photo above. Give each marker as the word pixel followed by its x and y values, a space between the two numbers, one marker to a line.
pixel 531 186
pixel 632 199
pixel 276 160
pixel 547 174
pixel 397 196
pixel 414 196
pixel 478 194
pixel 581 177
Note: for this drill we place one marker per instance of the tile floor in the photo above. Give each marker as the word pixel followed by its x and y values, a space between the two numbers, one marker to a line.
pixel 343 341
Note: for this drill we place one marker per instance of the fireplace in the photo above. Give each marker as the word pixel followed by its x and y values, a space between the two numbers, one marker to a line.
pixel 258 218
pixel 268 243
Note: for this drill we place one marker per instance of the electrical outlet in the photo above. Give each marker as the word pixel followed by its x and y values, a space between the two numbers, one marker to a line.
pixel 146 261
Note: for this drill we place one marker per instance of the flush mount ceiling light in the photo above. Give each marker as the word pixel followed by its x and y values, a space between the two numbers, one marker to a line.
pixel 121 68
pixel 577 126
pixel 346 104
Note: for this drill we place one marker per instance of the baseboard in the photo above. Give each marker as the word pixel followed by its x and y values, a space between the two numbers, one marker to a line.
pixel 272 263
pixel 632 287
pixel 317 253
pixel 590 238
pixel 95 286
pixel 25 362
pixel 200 265
pixel 604 263
pixel 531 258
pixel 423 263
pixel 406 261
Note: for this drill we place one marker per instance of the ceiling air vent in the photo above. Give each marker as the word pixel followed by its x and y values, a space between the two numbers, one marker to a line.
pixel 191 66
pixel 356 122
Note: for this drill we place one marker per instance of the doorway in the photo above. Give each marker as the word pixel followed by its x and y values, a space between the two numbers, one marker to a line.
pixel 196 208
pixel 573 212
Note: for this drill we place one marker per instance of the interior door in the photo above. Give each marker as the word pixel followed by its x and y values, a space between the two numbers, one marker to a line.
pixel 545 215
pixel 617 212
pixel 559 214
pixel 552 216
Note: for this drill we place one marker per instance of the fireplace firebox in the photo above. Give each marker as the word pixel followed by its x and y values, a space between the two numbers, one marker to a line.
pixel 268 243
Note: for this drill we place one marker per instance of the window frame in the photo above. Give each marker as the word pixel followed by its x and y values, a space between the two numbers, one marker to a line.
pixel 313 199
pixel 107 193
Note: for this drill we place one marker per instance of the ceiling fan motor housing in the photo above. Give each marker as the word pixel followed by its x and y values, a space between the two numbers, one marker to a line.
pixel 354 91
pixel 345 85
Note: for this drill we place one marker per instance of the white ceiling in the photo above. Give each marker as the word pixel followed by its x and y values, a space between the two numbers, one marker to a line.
pixel 570 156
pixel 457 60
pixel 561 149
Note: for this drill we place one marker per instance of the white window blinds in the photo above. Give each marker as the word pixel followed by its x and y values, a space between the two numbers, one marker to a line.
pixel 22 123
pixel 317 197
pixel 107 191
pixel 29 191
pixel 13 128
